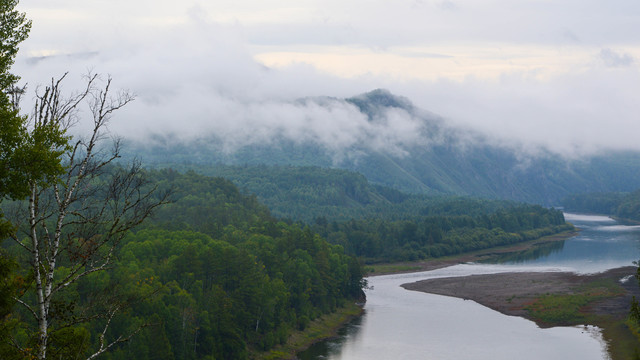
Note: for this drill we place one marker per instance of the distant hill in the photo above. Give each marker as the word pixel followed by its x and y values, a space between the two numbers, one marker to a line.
pixel 439 160
pixel 310 194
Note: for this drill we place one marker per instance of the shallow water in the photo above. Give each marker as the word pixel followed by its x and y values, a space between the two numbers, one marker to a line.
pixel 402 324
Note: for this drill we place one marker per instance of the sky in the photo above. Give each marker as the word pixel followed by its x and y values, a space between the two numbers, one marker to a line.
pixel 560 75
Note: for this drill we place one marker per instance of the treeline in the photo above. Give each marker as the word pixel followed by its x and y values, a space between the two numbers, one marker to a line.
pixel 381 224
pixel 213 274
pixel 620 205
pixel 435 236
pixel 305 193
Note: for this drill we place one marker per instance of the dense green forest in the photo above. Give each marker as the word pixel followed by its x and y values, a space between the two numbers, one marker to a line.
pixel 435 236
pixel 215 274
pixel 381 224
pixel 378 223
pixel 308 193
pixel 624 206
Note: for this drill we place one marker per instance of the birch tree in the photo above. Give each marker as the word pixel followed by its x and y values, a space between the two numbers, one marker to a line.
pixel 71 226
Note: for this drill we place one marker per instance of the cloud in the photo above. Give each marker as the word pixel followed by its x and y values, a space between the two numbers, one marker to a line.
pixel 447 5
pixel 613 59
pixel 523 73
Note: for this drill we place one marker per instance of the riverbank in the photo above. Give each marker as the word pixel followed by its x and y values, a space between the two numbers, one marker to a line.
pixel 553 299
pixel 476 256
pixel 324 327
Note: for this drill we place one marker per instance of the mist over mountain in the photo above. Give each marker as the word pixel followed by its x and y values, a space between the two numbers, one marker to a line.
pixel 393 143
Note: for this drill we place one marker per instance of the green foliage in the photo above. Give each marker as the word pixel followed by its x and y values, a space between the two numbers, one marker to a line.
pixel 214 276
pixel 372 222
pixel 436 236
pixel 559 309
pixel 29 155
pixel 450 165
pixel 567 309
pixel 14 164
pixel 7 290
pixel 14 28
pixel 621 205
pixel 317 195
pixel 634 311
pixel 594 203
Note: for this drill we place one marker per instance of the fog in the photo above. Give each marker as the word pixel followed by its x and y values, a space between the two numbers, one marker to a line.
pixel 561 76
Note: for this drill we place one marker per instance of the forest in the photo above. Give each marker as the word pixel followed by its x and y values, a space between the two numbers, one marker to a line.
pixel 213 272
pixel 433 236
pixel 382 224
pixel 624 206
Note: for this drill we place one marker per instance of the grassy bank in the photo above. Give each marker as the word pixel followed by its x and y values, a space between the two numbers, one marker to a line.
pixel 577 307
pixel 319 329
pixel 622 339
pixel 621 334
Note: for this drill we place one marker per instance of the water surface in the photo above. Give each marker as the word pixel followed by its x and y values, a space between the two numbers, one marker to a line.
pixel 402 324
pixel 601 244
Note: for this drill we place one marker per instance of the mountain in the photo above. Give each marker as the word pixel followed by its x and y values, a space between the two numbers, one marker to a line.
pixel 393 143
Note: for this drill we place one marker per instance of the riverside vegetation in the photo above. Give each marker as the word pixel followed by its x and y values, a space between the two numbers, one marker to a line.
pixel 215 275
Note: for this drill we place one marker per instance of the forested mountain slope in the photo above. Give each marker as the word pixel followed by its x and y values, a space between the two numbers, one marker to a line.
pixel 374 223
pixel 213 274
pixel 435 158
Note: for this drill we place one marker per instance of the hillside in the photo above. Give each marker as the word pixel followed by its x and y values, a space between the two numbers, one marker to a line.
pixel 428 157
pixel 307 193
pixel 374 223
pixel 212 275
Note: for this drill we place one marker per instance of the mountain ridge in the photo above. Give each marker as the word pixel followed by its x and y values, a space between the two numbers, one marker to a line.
pixel 412 150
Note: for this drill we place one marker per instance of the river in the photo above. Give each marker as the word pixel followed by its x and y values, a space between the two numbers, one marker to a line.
pixel 402 324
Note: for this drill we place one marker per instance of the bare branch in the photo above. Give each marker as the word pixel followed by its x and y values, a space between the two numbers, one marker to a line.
pixel 119 340
pixel 27 306
pixel 82 217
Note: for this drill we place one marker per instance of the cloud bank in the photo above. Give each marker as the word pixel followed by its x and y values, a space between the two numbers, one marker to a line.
pixel 527 74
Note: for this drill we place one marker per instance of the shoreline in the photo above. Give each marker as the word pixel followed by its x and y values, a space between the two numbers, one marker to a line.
pixel 553 299
pixel 548 298
pixel 327 326
pixel 322 328
pixel 476 256
pixel 516 293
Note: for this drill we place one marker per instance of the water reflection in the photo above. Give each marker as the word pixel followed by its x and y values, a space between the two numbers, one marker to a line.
pixel 401 324
pixel 583 218
pixel 537 252
pixel 601 244
pixel 332 348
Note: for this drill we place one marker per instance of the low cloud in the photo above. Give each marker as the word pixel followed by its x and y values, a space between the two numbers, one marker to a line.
pixel 195 77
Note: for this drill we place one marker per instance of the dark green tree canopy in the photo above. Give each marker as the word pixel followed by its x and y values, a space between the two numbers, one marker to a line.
pixel 14 28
